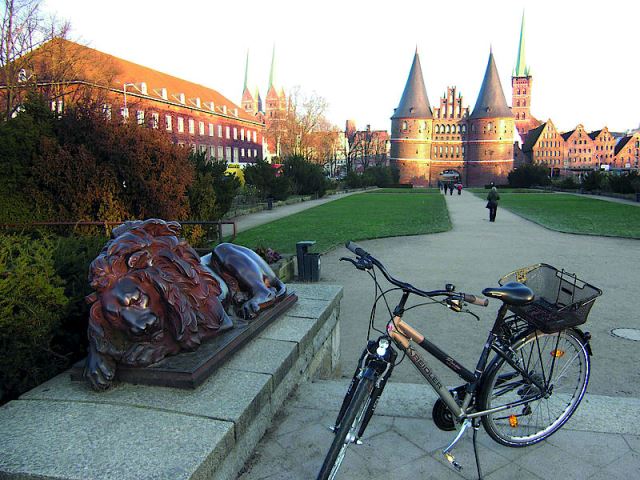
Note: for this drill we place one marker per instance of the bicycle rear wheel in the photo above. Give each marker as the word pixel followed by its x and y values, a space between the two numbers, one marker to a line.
pixel 348 430
pixel 560 362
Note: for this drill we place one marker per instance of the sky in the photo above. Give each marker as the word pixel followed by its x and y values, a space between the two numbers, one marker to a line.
pixel 357 54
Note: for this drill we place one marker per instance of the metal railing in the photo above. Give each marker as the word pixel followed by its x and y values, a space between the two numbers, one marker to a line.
pixel 109 225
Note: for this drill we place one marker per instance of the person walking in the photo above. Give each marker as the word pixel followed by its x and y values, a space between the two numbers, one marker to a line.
pixel 492 203
pixel 459 187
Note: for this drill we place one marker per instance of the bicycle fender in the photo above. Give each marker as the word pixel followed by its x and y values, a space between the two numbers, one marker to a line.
pixel 585 338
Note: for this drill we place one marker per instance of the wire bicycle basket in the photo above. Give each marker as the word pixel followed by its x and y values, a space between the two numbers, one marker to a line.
pixel 562 300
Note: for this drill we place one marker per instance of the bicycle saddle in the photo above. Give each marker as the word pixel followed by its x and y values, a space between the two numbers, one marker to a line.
pixel 513 293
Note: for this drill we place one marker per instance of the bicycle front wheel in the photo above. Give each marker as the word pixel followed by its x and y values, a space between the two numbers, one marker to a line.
pixel 347 431
pixel 559 362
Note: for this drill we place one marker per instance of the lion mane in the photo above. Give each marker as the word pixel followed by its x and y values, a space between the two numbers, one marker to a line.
pixel 152 298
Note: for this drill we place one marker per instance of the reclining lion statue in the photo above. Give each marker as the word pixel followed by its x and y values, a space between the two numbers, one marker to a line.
pixel 155 297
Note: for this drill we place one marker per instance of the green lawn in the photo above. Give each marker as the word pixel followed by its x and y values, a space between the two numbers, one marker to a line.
pixel 573 214
pixel 357 217
pixel 405 190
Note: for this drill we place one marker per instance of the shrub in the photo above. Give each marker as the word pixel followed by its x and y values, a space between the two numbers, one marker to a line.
pixel 353 180
pixel 306 178
pixel 529 175
pixel 71 259
pixel 623 183
pixel 568 183
pixel 32 306
pixel 266 180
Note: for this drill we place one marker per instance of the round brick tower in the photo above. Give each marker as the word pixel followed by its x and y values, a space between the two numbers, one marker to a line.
pixel 489 155
pixel 411 127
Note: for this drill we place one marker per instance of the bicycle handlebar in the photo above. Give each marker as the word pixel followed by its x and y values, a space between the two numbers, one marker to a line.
pixel 366 261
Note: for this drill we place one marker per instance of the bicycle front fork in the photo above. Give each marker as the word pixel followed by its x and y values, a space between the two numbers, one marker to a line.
pixel 382 364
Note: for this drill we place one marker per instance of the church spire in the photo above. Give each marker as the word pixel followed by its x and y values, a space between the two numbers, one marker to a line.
pixel 414 102
pixel 272 72
pixel 521 70
pixel 491 102
pixel 246 72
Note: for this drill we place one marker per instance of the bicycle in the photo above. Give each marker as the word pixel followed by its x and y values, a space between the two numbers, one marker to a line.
pixel 525 393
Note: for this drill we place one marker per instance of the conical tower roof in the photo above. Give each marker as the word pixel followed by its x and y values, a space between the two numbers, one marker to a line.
pixel 414 102
pixel 521 70
pixel 491 102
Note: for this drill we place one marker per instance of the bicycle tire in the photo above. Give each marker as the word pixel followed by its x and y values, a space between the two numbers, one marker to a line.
pixel 532 422
pixel 348 429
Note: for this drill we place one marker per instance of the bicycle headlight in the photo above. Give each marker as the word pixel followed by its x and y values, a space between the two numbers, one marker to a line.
pixel 383 344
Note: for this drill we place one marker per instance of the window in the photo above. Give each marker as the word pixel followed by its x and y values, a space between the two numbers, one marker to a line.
pixel 203 149
pixel 220 153
pixel 201 128
pixel 235 153
pixel 192 126
pixel 242 152
pixel 140 117
pixel 220 131
pixel 167 121
pixel 437 128
pixel 255 152
pixel 211 129
pixel 228 132
pixel 255 137
pixel 180 125
pixel 242 135
pixel 404 125
pixel 124 112
pixel 155 119
pixel 212 151
pixel 227 152
pixel 235 133
pixel 106 111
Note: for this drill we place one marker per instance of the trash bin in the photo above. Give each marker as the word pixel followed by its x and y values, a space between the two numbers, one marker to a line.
pixel 312 267
pixel 308 263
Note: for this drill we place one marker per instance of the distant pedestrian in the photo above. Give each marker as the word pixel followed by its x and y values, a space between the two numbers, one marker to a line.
pixel 451 189
pixel 492 203
pixel 459 187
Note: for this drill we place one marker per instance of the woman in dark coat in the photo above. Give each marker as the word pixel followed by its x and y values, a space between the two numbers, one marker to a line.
pixel 492 203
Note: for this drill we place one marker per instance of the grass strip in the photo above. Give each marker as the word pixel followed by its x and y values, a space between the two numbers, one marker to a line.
pixel 357 217
pixel 574 214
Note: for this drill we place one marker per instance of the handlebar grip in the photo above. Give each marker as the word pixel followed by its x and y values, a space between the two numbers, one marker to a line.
pixel 353 247
pixel 483 302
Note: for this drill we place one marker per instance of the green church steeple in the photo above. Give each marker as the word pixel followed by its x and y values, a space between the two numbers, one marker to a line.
pixel 272 73
pixel 521 70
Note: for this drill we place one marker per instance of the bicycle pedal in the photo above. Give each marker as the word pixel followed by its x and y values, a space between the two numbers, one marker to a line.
pixel 452 460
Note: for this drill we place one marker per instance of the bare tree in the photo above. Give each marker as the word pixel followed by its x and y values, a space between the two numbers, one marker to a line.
pixel 24 28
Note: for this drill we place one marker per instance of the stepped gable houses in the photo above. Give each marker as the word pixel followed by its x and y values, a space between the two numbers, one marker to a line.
pixel 193 115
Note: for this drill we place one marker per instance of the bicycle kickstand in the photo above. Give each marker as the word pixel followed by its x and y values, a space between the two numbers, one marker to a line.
pixel 447 451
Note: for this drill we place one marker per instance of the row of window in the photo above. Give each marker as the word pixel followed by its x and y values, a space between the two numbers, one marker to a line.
pixel 227 154
pixel 451 129
pixel 203 129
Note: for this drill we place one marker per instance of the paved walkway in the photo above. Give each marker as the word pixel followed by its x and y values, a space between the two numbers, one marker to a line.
pixel 600 442
pixel 245 222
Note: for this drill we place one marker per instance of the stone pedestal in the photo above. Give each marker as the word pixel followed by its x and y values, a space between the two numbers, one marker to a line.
pixel 63 430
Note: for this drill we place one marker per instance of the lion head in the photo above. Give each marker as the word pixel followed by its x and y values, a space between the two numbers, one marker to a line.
pixel 152 298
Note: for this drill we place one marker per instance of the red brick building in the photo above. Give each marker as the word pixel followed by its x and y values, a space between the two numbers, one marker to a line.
pixel 271 112
pixel 192 115
pixel 627 152
pixel 521 87
pixel 432 145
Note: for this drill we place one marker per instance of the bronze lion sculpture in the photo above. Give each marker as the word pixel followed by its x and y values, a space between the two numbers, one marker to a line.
pixel 155 297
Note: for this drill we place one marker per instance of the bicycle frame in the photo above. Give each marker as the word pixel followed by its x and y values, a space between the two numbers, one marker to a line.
pixel 403 334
